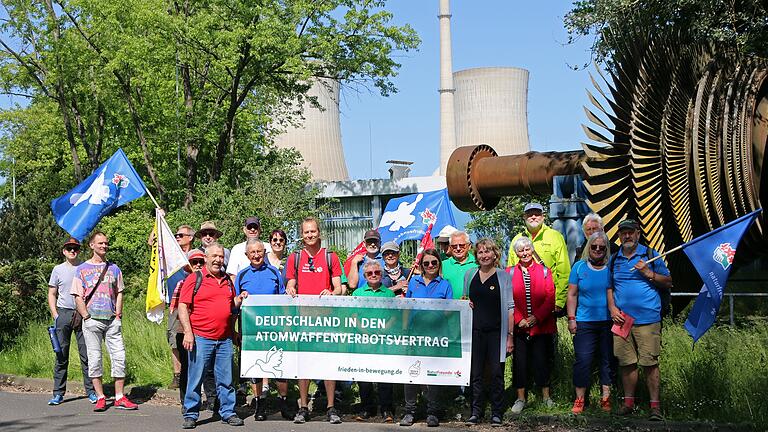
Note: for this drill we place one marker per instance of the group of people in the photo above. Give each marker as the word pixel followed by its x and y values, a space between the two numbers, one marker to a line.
pixel 515 311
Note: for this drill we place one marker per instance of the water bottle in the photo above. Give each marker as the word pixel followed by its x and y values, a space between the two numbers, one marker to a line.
pixel 54 338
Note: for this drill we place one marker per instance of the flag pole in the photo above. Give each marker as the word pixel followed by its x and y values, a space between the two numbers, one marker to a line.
pixel 146 189
pixel 674 249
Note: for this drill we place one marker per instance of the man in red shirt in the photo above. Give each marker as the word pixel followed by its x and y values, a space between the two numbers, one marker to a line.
pixel 313 275
pixel 206 312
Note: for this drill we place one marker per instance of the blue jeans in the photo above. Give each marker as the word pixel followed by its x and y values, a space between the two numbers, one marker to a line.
pixel 593 338
pixel 205 352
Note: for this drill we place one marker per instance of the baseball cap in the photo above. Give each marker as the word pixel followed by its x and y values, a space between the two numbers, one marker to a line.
pixel 533 206
pixel 71 242
pixel 253 220
pixel 629 224
pixel 445 233
pixel 372 234
pixel 195 253
pixel 390 246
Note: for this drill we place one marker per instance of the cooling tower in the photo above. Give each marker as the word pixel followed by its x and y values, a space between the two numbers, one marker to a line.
pixel 491 108
pixel 318 139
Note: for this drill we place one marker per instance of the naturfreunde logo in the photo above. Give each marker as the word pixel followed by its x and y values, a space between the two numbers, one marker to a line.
pixel 414 332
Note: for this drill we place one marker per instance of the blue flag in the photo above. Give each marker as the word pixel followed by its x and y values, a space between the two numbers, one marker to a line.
pixel 712 255
pixel 113 184
pixel 407 218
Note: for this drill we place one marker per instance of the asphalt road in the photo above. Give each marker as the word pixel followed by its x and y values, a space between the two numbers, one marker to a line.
pixel 30 412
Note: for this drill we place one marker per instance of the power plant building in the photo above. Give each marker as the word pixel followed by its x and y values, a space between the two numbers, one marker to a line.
pixel 318 138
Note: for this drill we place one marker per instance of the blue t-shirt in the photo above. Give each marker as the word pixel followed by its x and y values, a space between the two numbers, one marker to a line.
pixel 592 285
pixel 438 288
pixel 265 279
pixel 632 292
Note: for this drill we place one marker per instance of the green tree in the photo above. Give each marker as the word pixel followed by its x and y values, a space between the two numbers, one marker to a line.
pixel 740 26
pixel 503 222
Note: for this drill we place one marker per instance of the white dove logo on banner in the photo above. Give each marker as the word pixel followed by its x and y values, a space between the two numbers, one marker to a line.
pixel 401 217
pixel 270 364
pixel 96 194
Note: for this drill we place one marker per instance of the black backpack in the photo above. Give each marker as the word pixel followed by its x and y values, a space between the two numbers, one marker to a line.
pixel 664 293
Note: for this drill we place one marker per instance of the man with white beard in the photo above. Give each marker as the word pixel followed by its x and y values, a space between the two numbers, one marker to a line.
pixel 550 250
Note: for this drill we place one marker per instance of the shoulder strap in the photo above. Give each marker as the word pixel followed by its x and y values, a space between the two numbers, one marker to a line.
pixel 611 265
pixel 329 264
pixel 98 282
pixel 198 283
pixel 296 258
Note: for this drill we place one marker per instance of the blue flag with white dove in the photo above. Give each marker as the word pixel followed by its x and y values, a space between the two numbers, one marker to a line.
pixel 408 217
pixel 712 255
pixel 113 184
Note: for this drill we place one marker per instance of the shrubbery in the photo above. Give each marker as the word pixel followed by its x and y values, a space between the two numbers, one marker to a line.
pixel 23 296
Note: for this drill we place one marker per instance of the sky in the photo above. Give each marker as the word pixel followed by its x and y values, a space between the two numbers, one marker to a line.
pixel 485 33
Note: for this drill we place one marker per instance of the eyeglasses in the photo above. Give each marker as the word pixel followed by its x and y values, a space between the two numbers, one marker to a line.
pixel 600 248
pixel 197 262
pixel 389 253
pixel 430 263
pixel 370 273
pixel 72 249
pixel 459 246
pixel 181 235
pixel 277 240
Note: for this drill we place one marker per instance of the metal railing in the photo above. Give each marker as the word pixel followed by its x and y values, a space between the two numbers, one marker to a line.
pixel 730 299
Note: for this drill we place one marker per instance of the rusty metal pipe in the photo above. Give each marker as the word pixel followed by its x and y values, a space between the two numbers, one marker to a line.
pixel 477 178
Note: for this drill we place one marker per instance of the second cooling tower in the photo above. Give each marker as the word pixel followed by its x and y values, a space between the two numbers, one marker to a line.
pixel 491 108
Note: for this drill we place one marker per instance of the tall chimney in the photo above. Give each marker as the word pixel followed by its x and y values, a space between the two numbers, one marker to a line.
pixel 447 128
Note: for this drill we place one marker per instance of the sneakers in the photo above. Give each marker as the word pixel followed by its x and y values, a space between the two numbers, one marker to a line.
pixel 625 410
pixel 233 420
pixel 189 423
pixel 518 406
pixel 496 421
pixel 92 397
pixel 578 406
pixel 362 416
pixel 57 399
pixel 388 417
pixel 333 416
pixel 605 404
pixel 302 416
pixel 124 403
pixel 284 411
pixel 473 420
pixel 549 403
pixel 407 420
pixel 656 415
pixel 265 388
pixel 175 382
pixel 101 405
pixel 432 421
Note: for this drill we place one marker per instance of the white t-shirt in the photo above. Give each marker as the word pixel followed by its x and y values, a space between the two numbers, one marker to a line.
pixel 238 260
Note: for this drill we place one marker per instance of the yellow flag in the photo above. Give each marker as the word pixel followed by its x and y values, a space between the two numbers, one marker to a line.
pixel 154 304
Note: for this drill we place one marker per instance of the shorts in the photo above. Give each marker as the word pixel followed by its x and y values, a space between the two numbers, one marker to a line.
pixel 642 346
pixel 174 327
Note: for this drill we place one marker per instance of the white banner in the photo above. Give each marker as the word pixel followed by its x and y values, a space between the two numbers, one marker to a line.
pixel 344 338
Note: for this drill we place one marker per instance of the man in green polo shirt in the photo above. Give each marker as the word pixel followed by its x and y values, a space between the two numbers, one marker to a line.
pixel 460 261
pixel 373 288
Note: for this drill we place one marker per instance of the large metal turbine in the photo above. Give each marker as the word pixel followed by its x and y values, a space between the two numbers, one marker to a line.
pixel 677 141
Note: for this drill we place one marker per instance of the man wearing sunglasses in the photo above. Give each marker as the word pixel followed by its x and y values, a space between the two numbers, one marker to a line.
pixel 550 249
pixel 460 261
pixel 372 240
pixel 208 235
pixel 239 257
pixel 62 306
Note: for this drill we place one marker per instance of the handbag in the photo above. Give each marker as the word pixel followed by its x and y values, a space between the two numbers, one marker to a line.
pixel 77 319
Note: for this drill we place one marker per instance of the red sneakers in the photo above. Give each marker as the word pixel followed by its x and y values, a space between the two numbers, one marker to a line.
pixel 605 404
pixel 101 405
pixel 578 406
pixel 124 403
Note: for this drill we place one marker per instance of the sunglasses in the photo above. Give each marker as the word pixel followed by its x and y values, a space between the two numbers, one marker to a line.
pixel 595 247
pixel 182 235
pixel 72 249
pixel 430 263
pixel 197 262
pixel 311 263
pixel 277 240
pixel 458 246
pixel 207 234
pixel 253 227
pixel 373 273
pixel 372 242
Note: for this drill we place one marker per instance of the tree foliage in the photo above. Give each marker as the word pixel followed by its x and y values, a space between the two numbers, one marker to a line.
pixel 739 26
pixel 503 222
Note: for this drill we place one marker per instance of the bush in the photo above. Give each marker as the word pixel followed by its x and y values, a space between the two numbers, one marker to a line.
pixel 23 296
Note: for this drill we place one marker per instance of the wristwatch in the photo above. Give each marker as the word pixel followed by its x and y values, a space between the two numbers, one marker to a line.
pixel 87 317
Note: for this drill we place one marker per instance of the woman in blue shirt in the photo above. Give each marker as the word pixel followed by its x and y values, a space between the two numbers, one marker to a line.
pixel 428 285
pixel 589 320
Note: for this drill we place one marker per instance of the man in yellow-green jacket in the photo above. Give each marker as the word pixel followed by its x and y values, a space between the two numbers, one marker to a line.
pixel 550 249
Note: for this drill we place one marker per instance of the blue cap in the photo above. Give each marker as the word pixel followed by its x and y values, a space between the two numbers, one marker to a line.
pixel 533 206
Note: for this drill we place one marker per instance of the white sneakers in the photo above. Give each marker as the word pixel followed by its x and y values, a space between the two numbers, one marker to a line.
pixel 518 407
